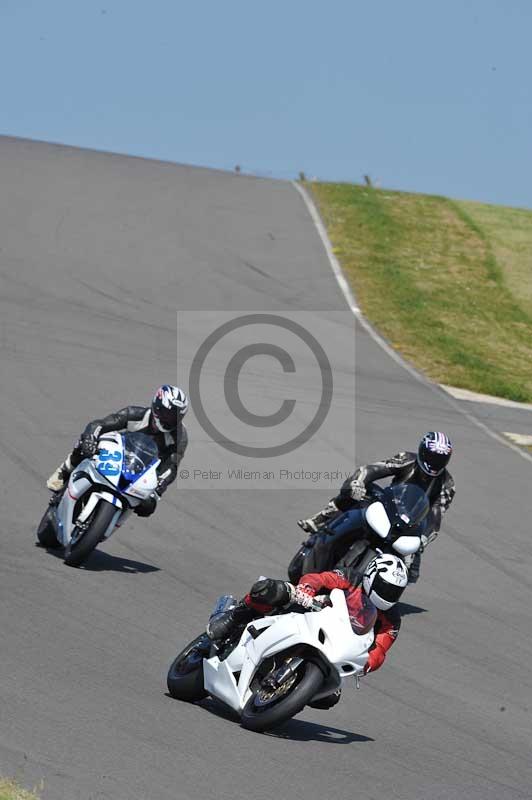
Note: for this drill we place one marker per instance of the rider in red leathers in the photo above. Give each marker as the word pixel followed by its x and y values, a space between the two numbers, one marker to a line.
pixel 383 582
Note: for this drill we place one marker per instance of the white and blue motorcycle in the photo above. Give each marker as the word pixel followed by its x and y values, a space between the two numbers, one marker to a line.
pixel 101 493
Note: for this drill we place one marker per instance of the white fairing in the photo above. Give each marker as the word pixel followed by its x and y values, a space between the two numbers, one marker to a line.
pixel 91 472
pixel 344 650
pixel 377 518
pixel 406 545
pixel 142 487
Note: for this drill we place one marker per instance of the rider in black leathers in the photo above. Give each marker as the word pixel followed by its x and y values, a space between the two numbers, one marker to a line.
pixel 426 469
pixel 162 421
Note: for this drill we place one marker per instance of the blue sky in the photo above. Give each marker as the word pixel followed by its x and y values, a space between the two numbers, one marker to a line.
pixel 422 95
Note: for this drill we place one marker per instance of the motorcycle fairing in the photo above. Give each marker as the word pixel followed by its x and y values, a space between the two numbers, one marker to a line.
pixel 109 457
pixel 81 480
pixel 145 483
pixel 377 518
pixel 327 632
pixel 406 545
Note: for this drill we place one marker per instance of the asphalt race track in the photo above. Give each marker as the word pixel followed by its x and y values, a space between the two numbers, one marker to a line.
pixel 96 253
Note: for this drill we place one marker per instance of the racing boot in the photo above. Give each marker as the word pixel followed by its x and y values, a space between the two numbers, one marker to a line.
pixel 220 626
pixel 58 479
pixel 312 524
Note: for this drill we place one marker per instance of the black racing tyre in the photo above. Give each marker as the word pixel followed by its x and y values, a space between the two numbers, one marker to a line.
pixel 262 717
pixel 46 533
pixel 185 676
pixel 77 553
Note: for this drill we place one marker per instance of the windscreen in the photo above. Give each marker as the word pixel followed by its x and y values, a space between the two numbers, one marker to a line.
pixel 362 612
pixel 140 451
pixel 406 504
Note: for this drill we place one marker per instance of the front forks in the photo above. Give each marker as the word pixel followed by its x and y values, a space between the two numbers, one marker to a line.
pixel 278 676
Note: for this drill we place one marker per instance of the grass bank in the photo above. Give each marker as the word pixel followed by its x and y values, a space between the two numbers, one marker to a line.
pixel 449 284
pixel 9 790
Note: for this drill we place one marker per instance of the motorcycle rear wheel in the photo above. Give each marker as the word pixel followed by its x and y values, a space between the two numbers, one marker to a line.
pixel 260 718
pixel 46 533
pixel 295 567
pixel 187 685
pixel 77 553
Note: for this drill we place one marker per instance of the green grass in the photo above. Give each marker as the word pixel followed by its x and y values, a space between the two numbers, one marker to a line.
pixel 436 278
pixel 9 790
pixel 510 233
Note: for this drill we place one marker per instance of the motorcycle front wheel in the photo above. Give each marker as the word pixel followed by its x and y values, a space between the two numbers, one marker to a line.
pixel 268 709
pixel 78 552
pixel 185 676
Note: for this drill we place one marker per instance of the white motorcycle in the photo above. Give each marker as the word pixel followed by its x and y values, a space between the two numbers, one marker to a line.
pixel 280 663
pixel 100 495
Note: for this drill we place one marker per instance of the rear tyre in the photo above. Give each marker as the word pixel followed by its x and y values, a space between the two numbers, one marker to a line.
pixel 46 533
pixel 260 715
pixel 185 676
pixel 83 547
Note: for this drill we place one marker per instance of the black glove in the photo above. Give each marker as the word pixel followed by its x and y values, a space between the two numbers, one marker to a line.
pixel 88 444
pixel 162 486
pixel 148 506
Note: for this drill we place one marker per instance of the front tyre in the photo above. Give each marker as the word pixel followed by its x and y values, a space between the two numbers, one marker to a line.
pixel 46 533
pixel 81 549
pixel 185 676
pixel 265 710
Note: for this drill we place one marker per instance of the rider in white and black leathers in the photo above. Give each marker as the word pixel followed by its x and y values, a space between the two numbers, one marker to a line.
pixel 426 469
pixel 162 421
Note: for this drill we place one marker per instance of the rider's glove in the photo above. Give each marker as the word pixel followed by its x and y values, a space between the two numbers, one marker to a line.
pixel 375 660
pixel 148 506
pixel 301 597
pixel 162 486
pixel 357 490
pixel 88 444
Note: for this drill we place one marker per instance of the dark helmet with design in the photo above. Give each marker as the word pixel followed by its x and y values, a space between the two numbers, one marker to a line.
pixel 434 453
pixel 168 407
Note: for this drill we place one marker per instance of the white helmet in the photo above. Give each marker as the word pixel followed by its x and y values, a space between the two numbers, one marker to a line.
pixel 384 579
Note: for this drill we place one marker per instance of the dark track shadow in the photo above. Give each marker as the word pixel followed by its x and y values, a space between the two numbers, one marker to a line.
pixel 295 730
pixel 405 609
pixel 298 730
pixel 215 707
pixel 100 561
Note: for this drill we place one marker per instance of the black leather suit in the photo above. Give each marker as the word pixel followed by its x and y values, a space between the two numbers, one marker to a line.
pixel 403 468
pixel 171 445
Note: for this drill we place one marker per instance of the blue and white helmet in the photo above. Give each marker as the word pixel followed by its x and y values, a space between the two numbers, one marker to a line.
pixel 168 407
pixel 435 450
pixel 384 581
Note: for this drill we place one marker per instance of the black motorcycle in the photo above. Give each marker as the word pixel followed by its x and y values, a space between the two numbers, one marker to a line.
pixel 390 520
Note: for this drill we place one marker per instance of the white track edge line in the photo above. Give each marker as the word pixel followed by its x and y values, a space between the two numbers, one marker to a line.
pixel 351 302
